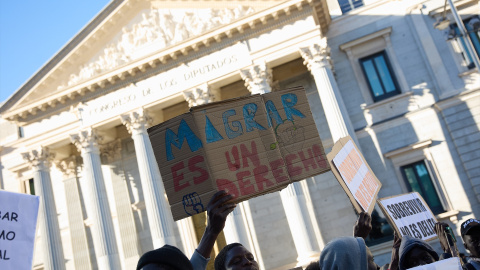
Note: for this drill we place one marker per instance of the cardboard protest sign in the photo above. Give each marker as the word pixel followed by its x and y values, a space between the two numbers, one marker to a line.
pixel 18 221
pixel 247 146
pixel 409 215
pixel 447 264
pixel 354 174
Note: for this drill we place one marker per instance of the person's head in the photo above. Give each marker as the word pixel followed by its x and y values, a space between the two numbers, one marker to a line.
pixel 165 258
pixel 347 253
pixel 415 252
pixel 470 230
pixel 313 266
pixel 235 257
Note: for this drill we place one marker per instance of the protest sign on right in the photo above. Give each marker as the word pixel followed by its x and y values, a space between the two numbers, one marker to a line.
pixel 354 175
pixel 447 264
pixel 410 215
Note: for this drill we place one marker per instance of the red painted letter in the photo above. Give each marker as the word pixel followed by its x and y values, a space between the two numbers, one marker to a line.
pixel 192 167
pixel 178 177
pixel 245 185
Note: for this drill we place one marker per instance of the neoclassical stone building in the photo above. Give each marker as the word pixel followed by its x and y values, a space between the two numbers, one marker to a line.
pixel 377 70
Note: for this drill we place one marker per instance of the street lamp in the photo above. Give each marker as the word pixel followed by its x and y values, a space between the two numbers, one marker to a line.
pixel 443 23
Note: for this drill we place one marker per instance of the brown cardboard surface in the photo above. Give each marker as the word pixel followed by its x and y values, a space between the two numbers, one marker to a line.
pixel 390 219
pixel 247 146
pixel 337 147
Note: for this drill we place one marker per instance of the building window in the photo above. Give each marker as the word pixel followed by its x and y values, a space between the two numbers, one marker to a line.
pixel 29 187
pixel 472 27
pixel 348 5
pixel 418 179
pixel 379 75
pixel 21 134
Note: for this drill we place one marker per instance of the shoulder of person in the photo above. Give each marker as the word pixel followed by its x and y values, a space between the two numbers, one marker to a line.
pixel 469 266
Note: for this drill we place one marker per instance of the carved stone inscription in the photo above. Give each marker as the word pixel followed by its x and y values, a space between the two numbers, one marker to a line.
pixel 165 84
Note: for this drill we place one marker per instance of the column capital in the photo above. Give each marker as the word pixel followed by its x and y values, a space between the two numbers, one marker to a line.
pixel 38 158
pixel 137 121
pixel 86 140
pixel 317 55
pixel 199 95
pixel 258 79
pixel 67 166
pixel 112 150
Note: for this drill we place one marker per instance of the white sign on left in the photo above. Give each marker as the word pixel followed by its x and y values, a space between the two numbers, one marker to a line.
pixel 18 222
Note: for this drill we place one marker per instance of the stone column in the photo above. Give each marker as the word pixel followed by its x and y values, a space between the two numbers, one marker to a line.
pixel 187 235
pixel 199 95
pixel 51 243
pixel 111 154
pixel 98 209
pixel 159 214
pixel 317 59
pixel 258 79
pixel 78 235
pixel 300 223
pixel 236 229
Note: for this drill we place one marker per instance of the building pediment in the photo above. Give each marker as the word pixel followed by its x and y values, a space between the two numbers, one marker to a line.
pixel 129 37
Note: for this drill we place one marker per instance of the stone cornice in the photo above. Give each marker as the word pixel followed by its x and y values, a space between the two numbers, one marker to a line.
pixel 147 63
pixel 348 45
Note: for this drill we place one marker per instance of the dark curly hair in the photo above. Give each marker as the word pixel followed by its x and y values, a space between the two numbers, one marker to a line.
pixel 221 257
pixel 313 266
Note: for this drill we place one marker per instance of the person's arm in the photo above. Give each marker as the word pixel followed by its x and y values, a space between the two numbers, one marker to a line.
pixel 217 211
pixel 395 254
pixel 440 229
pixel 363 226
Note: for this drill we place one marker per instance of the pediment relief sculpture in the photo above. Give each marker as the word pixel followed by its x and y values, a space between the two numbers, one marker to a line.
pixel 157 29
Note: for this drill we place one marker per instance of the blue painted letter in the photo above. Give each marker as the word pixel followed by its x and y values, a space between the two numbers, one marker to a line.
pixel 288 101
pixel 230 132
pixel 249 111
pixel 211 133
pixel 184 132
pixel 272 113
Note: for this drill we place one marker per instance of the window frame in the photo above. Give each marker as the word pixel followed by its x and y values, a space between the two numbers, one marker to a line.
pixel 351 5
pixel 368 45
pixel 28 184
pixel 415 153
pixel 430 174
pixel 386 95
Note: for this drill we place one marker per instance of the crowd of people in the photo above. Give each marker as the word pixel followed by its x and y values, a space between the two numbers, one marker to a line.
pixel 343 253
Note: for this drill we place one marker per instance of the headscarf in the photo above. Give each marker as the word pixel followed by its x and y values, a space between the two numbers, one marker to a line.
pixel 408 243
pixel 344 253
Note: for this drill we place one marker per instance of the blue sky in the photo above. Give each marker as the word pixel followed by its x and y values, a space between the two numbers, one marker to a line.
pixel 32 32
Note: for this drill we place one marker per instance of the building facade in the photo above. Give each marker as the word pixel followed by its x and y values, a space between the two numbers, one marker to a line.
pixel 379 71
